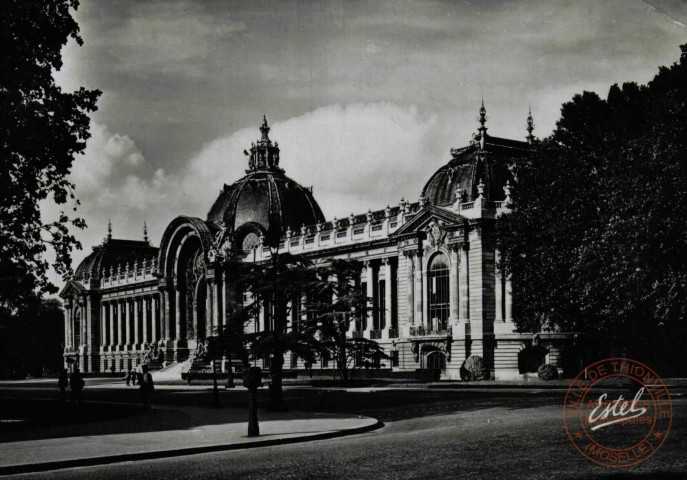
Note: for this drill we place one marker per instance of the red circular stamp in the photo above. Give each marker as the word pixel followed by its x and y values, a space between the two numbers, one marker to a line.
pixel 617 412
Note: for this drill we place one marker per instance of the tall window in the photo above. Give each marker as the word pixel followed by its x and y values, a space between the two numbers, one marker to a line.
pixel 438 293
pixel 77 329
pixel 381 305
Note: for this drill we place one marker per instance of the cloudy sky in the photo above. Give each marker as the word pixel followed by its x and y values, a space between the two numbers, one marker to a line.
pixel 365 98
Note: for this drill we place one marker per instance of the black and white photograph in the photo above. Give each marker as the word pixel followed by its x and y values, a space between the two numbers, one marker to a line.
pixel 343 239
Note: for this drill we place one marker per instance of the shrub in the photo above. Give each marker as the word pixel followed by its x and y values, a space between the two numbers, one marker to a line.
pixel 474 369
pixel 547 372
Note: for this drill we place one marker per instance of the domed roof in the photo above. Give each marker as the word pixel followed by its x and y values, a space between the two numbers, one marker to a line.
pixel 265 201
pixel 112 254
pixel 487 159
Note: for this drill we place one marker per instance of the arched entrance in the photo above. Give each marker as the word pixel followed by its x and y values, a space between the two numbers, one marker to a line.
pixel 436 360
pixel 182 266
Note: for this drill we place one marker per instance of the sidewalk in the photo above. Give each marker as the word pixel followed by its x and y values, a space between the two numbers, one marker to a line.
pixel 168 431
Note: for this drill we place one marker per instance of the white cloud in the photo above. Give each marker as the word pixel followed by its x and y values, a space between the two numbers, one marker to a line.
pixel 356 157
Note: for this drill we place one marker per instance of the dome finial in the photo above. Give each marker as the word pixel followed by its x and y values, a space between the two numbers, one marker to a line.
pixel 109 229
pixel 145 231
pixel 482 121
pixel 265 129
pixel 530 127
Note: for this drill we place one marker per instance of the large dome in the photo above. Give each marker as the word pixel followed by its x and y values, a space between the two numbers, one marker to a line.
pixel 112 254
pixel 487 159
pixel 265 201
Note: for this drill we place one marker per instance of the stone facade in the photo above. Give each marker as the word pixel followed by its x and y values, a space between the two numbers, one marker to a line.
pixel 430 268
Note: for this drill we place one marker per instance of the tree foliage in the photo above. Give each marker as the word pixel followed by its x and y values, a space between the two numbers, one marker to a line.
pixel 274 286
pixel 338 304
pixel 29 339
pixel 42 128
pixel 597 241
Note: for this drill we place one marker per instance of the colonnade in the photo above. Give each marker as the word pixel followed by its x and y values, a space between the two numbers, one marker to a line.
pixel 129 324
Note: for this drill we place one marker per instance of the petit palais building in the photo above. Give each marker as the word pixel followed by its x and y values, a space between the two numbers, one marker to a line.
pixel 430 267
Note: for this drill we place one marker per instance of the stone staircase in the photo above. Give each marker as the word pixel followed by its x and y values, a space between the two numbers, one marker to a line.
pixel 171 372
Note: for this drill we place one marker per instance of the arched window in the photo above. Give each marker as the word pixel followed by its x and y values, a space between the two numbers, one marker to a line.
pixel 250 241
pixel 438 293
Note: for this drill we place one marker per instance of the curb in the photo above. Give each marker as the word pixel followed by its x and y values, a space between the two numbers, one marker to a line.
pixel 89 462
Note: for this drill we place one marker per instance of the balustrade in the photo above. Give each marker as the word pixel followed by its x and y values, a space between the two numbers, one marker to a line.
pixel 425 331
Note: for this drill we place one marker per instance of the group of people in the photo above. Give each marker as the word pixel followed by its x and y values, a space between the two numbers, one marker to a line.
pixel 76 382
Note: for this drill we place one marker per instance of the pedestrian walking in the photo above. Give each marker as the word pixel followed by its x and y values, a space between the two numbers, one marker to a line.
pixel 76 382
pixel 62 383
pixel 146 387
pixel 134 376
pixel 127 377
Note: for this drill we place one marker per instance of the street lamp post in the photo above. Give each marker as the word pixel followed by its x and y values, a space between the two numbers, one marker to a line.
pixel 252 380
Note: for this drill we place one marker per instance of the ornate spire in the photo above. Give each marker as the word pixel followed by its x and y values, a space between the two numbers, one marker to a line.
pixel 482 121
pixel 530 127
pixel 109 229
pixel 263 154
pixel 145 231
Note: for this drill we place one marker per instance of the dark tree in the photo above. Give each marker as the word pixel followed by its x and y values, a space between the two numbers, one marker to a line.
pixel 340 302
pixel 30 339
pixel 275 286
pixel 597 241
pixel 42 128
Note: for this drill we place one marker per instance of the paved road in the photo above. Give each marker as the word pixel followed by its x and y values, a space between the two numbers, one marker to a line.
pixel 497 442
pixel 427 435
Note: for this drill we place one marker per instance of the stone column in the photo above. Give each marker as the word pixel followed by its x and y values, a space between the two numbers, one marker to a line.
pixel 144 314
pixel 120 325
pixel 215 303
pixel 464 282
pixel 103 325
pixel 369 278
pixel 167 312
pixel 454 283
pixel 127 323
pixel 498 288
pixel 419 295
pixel 154 317
pixel 137 332
pixel 223 310
pixel 112 325
pixel 208 306
pixel 261 318
pixel 410 287
pixel 387 293
pixel 426 321
pixel 178 309
pixel 509 300
pixel 219 307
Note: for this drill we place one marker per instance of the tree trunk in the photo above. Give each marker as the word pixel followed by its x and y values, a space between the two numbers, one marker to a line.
pixel 276 398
